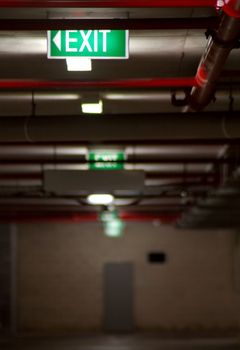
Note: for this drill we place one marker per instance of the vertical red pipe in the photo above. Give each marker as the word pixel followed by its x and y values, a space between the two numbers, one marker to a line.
pixel 218 48
pixel 231 9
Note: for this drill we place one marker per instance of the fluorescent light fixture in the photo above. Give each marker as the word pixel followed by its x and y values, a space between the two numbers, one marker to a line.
pixel 76 64
pixel 149 96
pixel 100 199
pixel 92 108
pixel 46 96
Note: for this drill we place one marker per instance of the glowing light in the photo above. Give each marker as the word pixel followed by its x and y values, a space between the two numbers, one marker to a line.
pixel 76 64
pixel 92 108
pixel 114 228
pixel 100 199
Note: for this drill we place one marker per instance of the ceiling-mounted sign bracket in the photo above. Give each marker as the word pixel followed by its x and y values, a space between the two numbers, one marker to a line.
pixel 95 44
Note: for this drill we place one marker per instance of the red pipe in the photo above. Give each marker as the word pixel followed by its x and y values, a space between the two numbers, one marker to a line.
pixel 90 217
pixel 106 3
pixel 60 217
pixel 218 48
pixel 230 10
pixel 163 218
pixel 133 83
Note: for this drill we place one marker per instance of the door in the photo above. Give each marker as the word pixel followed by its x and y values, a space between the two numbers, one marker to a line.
pixel 118 295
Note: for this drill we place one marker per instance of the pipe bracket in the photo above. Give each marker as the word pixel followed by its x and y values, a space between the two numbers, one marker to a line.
pixel 221 43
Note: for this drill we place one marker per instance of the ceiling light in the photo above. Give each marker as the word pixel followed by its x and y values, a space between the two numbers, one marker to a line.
pixel 76 64
pixel 92 108
pixel 100 199
pixel 46 96
pixel 149 96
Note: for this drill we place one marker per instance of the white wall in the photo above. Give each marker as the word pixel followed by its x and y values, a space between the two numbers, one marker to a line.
pixel 60 281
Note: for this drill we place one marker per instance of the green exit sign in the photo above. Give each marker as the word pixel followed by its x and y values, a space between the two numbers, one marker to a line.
pixel 96 44
pixel 106 156
pixel 106 160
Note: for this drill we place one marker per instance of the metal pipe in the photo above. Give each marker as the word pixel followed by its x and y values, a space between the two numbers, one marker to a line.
pixel 105 3
pixel 131 163
pixel 129 23
pixel 26 184
pixel 76 84
pixel 43 154
pixel 217 50
pixel 119 128
pixel 76 154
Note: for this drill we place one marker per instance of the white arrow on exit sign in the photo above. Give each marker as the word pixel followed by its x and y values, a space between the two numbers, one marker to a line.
pixel 57 40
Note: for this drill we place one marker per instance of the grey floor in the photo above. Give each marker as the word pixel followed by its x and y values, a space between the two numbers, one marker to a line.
pixel 119 342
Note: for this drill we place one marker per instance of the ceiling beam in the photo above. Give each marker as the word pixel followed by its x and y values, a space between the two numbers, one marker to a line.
pixel 133 127
pixel 124 143
pixel 197 175
pixel 118 23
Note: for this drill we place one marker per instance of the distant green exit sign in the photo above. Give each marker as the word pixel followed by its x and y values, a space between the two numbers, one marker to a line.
pixel 106 160
pixel 96 44
pixel 106 166
pixel 106 156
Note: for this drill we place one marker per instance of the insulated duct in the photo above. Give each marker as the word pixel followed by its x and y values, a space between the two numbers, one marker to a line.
pixel 219 46
pixel 121 128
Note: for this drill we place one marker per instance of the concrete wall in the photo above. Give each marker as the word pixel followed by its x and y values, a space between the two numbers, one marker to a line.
pixel 5 271
pixel 60 281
